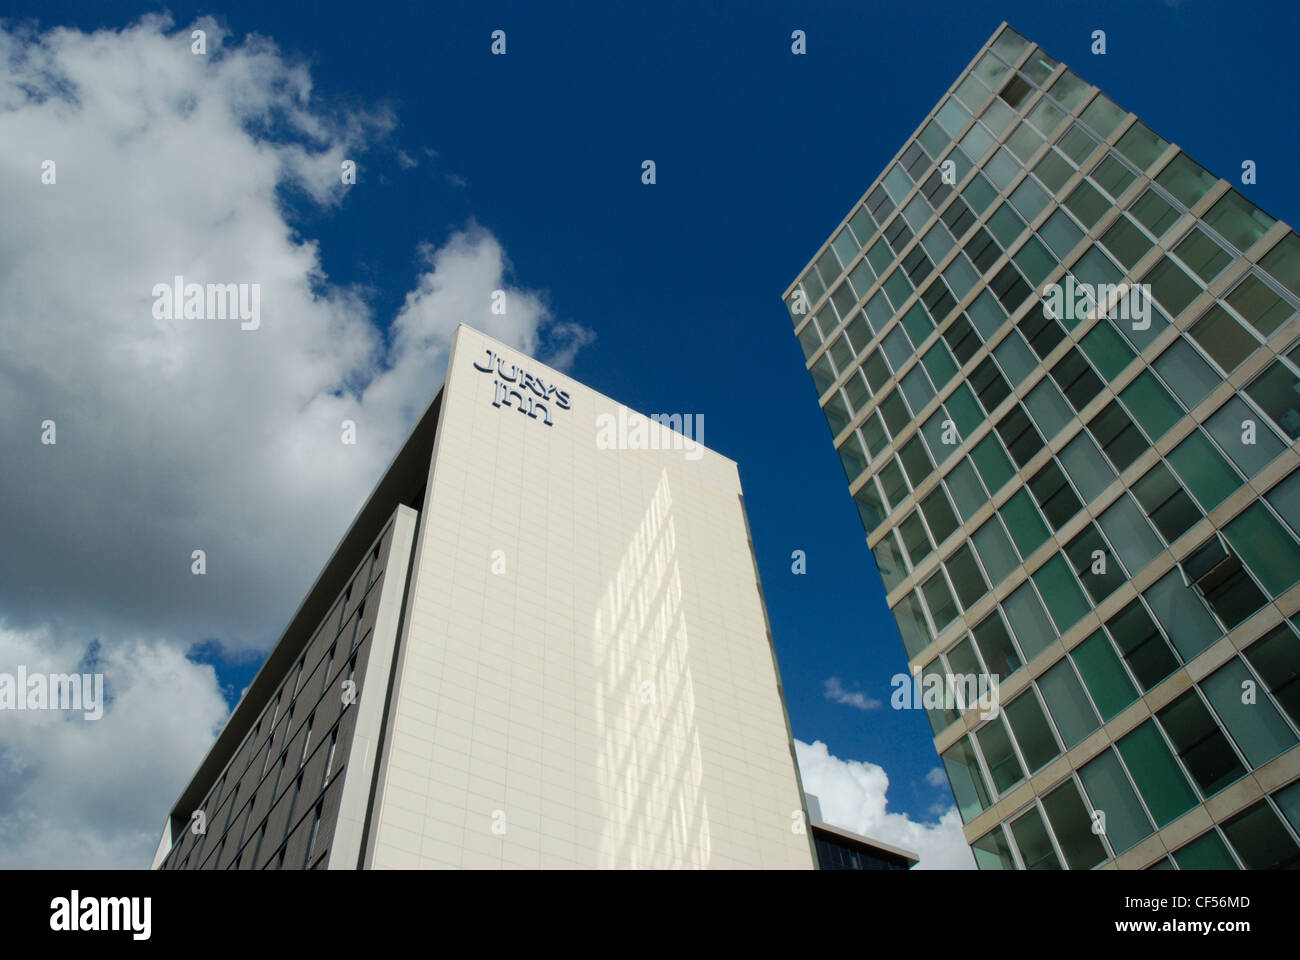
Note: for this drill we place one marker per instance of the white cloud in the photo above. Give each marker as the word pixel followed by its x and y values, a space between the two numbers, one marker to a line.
pixel 851 794
pixel 94 793
pixel 836 693
pixel 936 777
pixel 176 435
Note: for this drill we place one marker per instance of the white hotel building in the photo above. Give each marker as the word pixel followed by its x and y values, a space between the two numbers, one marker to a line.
pixel 531 649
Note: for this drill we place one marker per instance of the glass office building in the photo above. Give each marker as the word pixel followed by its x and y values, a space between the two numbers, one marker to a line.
pixel 1099 506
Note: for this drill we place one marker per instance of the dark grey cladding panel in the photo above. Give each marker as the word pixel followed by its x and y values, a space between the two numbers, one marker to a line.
pixel 402 484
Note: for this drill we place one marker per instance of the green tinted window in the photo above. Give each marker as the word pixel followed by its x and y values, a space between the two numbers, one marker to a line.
pixel 1104 675
pixel 1161 782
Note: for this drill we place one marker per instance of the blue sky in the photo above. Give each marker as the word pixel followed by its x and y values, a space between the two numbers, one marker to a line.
pixel 759 155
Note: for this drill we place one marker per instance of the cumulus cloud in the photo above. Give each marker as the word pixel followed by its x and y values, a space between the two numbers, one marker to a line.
pixel 851 794
pixel 177 435
pixel 93 793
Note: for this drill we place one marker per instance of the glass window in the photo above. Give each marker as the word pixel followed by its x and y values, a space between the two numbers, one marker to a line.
pixel 967 491
pixel 995 550
pixel 1266 547
pixel 1182 614
pixel 1276 658
pixel 1050 411
pixel 1074 715
pixel 1283 262
pixel 1166 503
pixel 1032 731
pixel 1154 212
pixel 1069 90
pixel 1158 777
pixel 1096 566
pixel 1150 405
pixel 967 782
pixel 1102 116
pixel 912 626
pixel 1103 675
pixel 967 580
pixel 889 561
pixel 1065 601
pixel 1006 225
pixel 1257 727
pixel 1238 220
pixel 1029 621
pixel 1206 852
pixel 1185 179
pixel 916 388
pixel 992 462
pixel 963 409
pixel 1190 377
pixel 1261 841
pixel 1039 66
pixel 1259 305
pixel 939 515
pixel 1200 743
pixel 871 508
pixel 938 597
pixel 1036 848
pixel 1118 438
pixel 892 484
pixel 1055 497
pixel 960 276
pixel 1277 392
pixel 1223 338
pixel 1203 469
pixel 1077 143
pixel 1072 824
pixel 1087 204
pixel 1112 175
pixel 995 646
pixel 1233 425
pixel 1126 242
pixel 1034 260
pixel 1024 142
pixel 938 361
pixel 1000 757
pixel 1144 649
pixel 1111 793
pixel 1053 169
pixel 1130 533
pixel 1140 145
pixel 1061 233
pixel 993 851
pixel 1086 466
pixel 1107 350
pixel 1046 116
pixel 916 461
pixel 1206 258
pixel 1171 286
pixel 1026 526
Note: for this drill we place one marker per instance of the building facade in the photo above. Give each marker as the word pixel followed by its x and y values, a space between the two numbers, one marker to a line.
pixel 542 643
pixel 841 849
pixel 1060 362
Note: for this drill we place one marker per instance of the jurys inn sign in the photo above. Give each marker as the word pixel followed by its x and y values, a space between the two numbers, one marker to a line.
pixel 530 393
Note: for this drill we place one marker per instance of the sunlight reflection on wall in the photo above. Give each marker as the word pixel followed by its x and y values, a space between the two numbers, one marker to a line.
pixel 649 767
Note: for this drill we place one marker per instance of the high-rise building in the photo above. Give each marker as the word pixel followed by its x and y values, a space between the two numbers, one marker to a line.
pixel 1082 500
pixel 542 643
